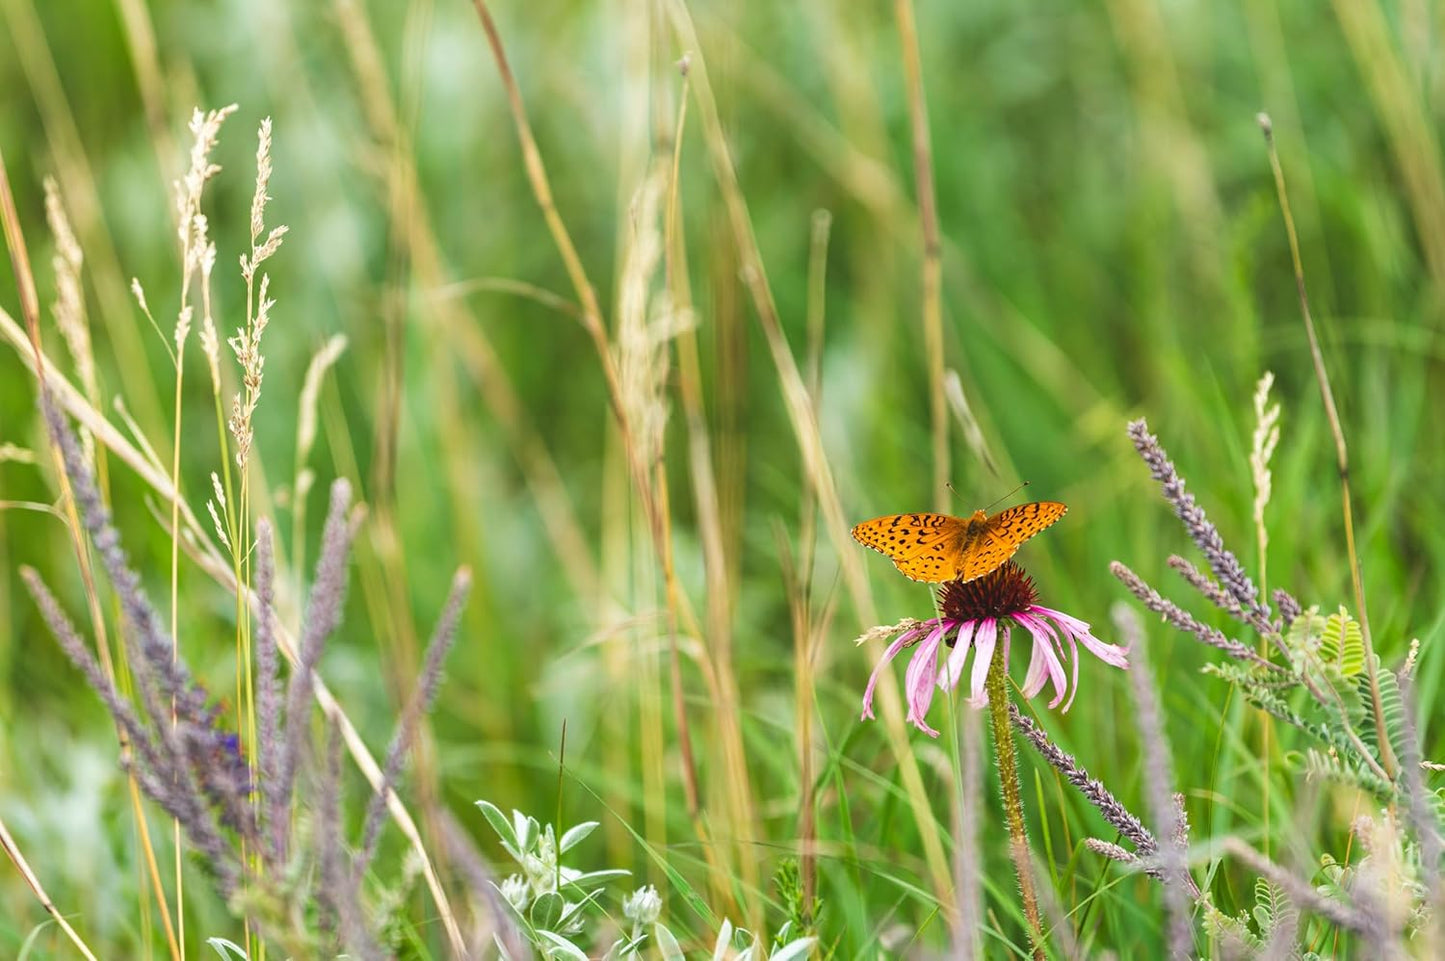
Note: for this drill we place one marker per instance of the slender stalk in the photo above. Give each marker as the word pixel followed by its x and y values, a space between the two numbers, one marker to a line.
pixel 932 278
pixel 175 599
pixel 806 631
pixel 967 859
pixel 12 850
pixel 542 191
pixel 1008 774
pixel 1342 458
pixel 700 456
pixel 152 867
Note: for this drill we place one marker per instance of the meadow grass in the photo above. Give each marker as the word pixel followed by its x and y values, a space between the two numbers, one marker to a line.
pixel 632 312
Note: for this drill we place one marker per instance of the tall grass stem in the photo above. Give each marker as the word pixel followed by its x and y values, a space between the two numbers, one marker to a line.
pixel 1342 457
pixel 932 269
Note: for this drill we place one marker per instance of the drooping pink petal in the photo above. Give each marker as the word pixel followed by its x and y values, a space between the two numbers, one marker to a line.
pixel 899 643
pixel 953 670
pixel 1048 649
pixel 918 683
pixel 983 643
pixel 1073 653
pixel 1108 653
pixel 1111 654
pixel 1066 628
pixel 1038 673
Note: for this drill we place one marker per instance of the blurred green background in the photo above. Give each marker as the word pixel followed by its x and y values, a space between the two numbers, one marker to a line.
pixel 1112 248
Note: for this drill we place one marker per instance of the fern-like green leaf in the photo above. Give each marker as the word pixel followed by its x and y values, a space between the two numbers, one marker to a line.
pixel 1330 731
pixel 1342 644
pixel 1271 907
pixel 1351 700
pixel 1334 768
pixel 1251 675
pixel 1264 905
pixel 1229 929
pixel 1391 705
pixel 1303 636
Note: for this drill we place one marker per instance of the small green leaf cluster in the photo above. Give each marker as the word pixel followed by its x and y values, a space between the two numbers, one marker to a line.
pixel 551 903
pixel 1328 663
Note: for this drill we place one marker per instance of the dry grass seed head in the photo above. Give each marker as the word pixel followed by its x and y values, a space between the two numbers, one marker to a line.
pixel 198 253
pixel 321 362
pixel 69 308
pixel 247 343
pixel 646 322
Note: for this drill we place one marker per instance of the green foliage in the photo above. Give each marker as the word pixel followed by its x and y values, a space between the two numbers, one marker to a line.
pixel 541 899
pixel 1231 930
pixel 1271 908
pixel 740 944
pixel 801 913
pixel 1337 716
pixel 1392 707
pixel 227 949
pixel 1341 643
pixel 1344 769
pixel 1324 722
pixel 549 900
pixel 1304 637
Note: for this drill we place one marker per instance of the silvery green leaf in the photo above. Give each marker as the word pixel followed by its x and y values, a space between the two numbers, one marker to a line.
pixel 560 946
pixel 547 910
pixel 667 943
pixel 499 823
pixel 527 831
pixel 594 879
pixel 575 835
pixel 724 941
pixel 228 949
pixel 573 910
pixel 624 948
pixel 522 918
pixel 797 949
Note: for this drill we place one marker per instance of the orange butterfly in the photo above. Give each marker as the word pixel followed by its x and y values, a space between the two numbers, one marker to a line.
pixel 939 547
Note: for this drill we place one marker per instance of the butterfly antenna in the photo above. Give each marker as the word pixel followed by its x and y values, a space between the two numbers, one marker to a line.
pixel 1010 494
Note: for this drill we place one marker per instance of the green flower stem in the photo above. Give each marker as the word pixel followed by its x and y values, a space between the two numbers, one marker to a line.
pixel 1008 774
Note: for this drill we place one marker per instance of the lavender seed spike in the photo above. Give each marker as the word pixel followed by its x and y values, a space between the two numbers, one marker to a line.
pixel 1205 535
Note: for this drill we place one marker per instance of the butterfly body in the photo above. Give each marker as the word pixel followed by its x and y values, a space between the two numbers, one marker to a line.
pixel 940 547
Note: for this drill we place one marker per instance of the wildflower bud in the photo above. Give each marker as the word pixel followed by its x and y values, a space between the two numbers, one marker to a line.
pixel 643 906
pixel 516 891
pixel 575 923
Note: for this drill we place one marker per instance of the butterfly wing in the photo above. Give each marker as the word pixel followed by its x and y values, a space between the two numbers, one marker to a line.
pixel 924 547
pixel 1003 534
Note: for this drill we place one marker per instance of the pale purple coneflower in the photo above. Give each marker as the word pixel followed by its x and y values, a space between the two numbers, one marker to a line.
pixel 978 615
